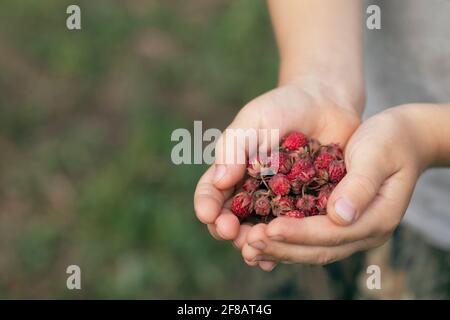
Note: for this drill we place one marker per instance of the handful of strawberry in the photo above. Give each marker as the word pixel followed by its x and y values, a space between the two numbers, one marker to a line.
pixel 294 181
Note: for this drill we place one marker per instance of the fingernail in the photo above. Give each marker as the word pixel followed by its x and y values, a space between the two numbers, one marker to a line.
pixel 277 238
pixel 219 172
pixel 272 267
pixel 258 245
pixel 258 258
pixel 345 209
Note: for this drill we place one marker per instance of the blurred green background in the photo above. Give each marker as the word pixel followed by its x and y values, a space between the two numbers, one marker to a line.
pixel 85 123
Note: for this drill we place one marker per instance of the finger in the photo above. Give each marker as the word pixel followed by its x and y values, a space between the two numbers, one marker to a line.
pixel 382 216
pixel 241 238
pixel 290 253
pixel 208 200
pixel 251 254
pixel 267 265
pixel 231 153
pixel 212 230
pixel 333 131
pixel 244 137
pixel 315 231
pixel 255 242
pixel 256 236
pixel 227 225
pixel 251 263
pixel 386 211
pixel 367 169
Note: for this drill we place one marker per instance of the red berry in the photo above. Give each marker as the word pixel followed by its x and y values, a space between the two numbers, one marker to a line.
pixel 303 170
pixel 337 171
pixel 251 184
pixel 262 205
pixel 306 204
pixel 279 184
pixel 323 160
pixel 242 204
pixel 281 205
pixel 294 141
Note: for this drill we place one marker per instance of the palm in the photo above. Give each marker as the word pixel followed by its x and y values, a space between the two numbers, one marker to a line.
pixel 287 108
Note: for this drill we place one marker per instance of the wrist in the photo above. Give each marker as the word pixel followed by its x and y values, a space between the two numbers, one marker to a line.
pixel 343 94
pixel 423 130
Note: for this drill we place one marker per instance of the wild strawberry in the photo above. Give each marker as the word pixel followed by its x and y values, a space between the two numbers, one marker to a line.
pixel 306 204
pixel 251 184
pixel 295 214
pixel 337 171
pixel 242 205
pixel 279 184
pixel 323 160
pixel 303 170
pixel 281 205
pixel 294 141
pixel 262 204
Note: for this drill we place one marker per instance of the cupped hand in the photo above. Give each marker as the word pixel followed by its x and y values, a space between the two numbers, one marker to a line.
pixel 306 106
pixel 384 159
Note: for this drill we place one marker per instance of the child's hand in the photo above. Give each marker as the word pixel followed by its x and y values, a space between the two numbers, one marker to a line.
pixel 384 158
pixel 302 106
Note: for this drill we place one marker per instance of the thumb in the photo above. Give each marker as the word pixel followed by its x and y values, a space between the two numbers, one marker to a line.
pixel 241 140
pixel 366 172
pixel 231 153
pixel 227 175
